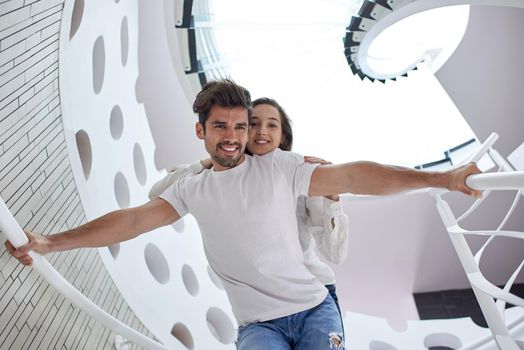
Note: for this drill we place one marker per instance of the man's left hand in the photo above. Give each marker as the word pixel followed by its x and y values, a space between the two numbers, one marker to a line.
pixel 457 179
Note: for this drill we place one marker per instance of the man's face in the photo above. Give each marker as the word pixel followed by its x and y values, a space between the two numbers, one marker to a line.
pixel 225 136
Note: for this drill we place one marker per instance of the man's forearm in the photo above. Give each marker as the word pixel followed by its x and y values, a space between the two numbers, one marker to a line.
pixel 111 228
pixel 377 179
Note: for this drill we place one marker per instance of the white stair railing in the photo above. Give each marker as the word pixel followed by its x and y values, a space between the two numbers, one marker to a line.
pixel 17 237
pixel 491 298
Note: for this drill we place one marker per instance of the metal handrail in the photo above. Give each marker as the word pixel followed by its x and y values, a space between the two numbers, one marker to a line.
pixel 510 180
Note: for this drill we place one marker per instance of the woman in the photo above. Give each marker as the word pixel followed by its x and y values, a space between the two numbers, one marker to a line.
pixel 321 221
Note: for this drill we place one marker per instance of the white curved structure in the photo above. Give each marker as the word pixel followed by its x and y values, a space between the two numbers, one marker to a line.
pixel 169 287
pixel 399 10
pixel 163 276
pixel 504 331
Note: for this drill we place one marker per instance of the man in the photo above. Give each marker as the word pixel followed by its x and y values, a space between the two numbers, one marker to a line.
pixel 245 208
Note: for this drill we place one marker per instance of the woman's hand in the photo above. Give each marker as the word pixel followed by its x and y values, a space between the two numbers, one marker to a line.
pixel 316 160
pixel 207 163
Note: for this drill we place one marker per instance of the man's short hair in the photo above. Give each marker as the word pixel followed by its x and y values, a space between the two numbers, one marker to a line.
pixel 224 93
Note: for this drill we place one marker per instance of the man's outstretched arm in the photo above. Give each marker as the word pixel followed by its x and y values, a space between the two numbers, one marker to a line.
pixel 117 226
pixel 377 179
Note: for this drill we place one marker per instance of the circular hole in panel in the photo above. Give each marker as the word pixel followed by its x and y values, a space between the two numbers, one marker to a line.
pixel 380 345
pixel 124 41
pixel 183 335
pixel 179 225
pixel 83 144
pixel 76 17
pixel 99 63
pixel 114 249
pixel 116 122
pixel 137 90
pixel 220 325
pixel 442 341
pixel 121 190
pixel 156 263
pixel 140 164
pixel 190 280
pixel 214 278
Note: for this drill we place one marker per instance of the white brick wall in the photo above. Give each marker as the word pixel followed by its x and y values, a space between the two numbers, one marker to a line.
pixel 38 186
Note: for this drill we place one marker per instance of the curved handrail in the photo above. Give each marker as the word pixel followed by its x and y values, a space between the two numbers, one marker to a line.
pixel 510 180
pixel 16 236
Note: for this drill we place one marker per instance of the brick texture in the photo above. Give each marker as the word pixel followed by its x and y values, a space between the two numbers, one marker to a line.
pixel 37 184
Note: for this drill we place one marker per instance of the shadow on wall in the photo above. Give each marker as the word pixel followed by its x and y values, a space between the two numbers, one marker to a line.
pixel 169 113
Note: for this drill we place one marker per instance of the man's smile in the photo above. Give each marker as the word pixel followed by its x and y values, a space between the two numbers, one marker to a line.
pixel 228 148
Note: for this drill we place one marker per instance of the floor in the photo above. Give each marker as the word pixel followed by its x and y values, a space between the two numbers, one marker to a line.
pixel 454 304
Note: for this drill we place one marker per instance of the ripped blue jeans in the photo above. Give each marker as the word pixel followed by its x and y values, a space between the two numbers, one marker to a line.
pixel 319 328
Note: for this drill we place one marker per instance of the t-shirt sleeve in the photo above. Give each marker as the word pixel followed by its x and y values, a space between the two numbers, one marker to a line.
pixel 297 172
pixel 175 195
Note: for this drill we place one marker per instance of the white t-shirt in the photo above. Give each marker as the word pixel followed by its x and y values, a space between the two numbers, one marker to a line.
pixel 322 224
pixel 247 217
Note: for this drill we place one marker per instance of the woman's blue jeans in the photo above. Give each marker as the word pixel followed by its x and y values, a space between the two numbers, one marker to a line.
pixel 333 292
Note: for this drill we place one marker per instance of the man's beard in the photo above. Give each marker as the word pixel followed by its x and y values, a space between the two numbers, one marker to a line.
pixel 228 162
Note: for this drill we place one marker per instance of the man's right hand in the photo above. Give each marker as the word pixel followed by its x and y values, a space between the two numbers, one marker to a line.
pixel 37 243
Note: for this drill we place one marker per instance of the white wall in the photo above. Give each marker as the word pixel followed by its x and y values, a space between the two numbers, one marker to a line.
pixel 485 75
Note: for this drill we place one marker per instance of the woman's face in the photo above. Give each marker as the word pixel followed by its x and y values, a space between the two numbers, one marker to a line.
pixel 265 130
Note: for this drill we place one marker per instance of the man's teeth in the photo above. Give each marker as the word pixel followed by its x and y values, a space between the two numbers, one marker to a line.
pixel 229 148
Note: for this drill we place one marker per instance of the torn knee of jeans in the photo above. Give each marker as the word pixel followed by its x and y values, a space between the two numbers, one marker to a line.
pixel 335 340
